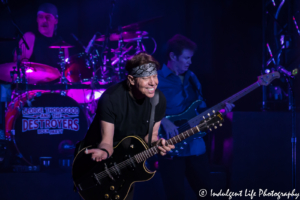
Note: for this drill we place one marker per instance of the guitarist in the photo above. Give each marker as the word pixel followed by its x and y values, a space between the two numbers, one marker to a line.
pixel 181 88
pixel 124 109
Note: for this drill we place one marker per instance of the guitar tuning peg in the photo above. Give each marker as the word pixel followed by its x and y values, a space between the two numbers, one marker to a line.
pixel 215 127
pixel 213 111
pixel 181 147
pixel 203 117
pixel 208 114
pixel 210 129
pixel 220 124
pixel 184 143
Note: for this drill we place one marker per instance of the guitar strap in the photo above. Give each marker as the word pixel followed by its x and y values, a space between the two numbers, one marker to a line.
pixel 153 101
pixel 194 85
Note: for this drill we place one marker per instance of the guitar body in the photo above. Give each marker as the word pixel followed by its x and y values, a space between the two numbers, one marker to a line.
pixel 179 120
pixel 117 185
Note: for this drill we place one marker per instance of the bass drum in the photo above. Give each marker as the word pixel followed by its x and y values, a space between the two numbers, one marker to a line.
pixel 49 127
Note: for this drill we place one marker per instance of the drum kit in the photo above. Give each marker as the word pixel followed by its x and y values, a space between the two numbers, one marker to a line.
pixel 51 108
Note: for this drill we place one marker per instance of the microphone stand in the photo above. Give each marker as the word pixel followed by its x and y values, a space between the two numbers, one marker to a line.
pixel 292 107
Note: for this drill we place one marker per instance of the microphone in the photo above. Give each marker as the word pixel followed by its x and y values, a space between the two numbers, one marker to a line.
pixel 87 49
pixel 77 40
pixel 291 74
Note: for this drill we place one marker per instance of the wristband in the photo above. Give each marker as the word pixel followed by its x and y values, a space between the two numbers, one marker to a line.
pixel 105 151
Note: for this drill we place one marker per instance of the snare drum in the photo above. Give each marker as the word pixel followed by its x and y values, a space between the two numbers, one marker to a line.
pixel 44 124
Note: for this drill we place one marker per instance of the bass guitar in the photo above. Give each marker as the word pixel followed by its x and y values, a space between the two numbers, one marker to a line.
pixel 112 178
pixel 191 118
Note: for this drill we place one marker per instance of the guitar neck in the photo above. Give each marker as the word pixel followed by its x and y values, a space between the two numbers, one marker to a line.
pixel 174 140
pixel 194 121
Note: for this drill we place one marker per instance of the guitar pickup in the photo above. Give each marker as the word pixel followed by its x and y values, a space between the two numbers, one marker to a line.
pixel 108 172
pixel 117 169
pixel 132 162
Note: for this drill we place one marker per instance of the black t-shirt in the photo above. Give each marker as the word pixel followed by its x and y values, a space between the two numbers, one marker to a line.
pixel 41 51
pixel 130 117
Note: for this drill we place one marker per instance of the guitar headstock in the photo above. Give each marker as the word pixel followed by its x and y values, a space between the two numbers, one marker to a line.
pixel 266 79
pixel 213 120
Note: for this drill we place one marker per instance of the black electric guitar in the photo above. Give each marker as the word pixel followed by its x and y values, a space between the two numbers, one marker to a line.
pixel 112 178
pixel 191 118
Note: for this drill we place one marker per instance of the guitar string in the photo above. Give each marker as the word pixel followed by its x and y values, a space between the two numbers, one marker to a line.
pixel 186 125
pixel 182 128
pixel 144 155
pixel 125 163
pixel 121 165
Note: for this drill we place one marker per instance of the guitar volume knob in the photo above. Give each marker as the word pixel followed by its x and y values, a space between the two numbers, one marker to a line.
pixel 117 197
pixel 112 188
pixel 106 196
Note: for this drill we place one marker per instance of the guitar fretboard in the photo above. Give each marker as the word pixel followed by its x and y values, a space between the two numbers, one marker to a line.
pixel 174 140
pixel 194 121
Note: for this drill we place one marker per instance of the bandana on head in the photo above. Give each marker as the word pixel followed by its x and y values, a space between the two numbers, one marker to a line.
pixel 148 69
pixel 48 8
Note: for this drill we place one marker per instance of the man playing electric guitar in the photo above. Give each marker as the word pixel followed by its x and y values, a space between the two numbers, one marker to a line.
pixel 124 110
pixel 181 88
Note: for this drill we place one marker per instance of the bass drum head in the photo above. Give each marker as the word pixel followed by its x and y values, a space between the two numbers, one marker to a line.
pixel 50 127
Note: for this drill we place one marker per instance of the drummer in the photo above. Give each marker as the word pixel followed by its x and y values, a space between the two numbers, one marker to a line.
pixel 40 40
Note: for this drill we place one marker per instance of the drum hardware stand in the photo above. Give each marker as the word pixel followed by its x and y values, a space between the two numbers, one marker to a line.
pixel 105 65
pixel 138 46
pixel 12 74
pixel 119 69
pixel 95 77
pixel 62 63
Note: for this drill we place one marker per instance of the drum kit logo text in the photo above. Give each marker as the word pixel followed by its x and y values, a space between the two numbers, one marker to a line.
pixel 50 120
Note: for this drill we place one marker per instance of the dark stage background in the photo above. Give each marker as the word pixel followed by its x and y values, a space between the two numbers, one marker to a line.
pixel 228 35
pixel 229 58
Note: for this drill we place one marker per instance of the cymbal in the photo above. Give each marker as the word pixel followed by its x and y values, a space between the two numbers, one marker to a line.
pixel 138 25
pixel 127 36
pixel 4 39
pixel 60 44
pixel 35 72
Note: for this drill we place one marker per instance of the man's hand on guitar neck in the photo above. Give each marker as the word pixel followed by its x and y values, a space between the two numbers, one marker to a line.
pixel 169 127
pixel 161 145
pixel 228 108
